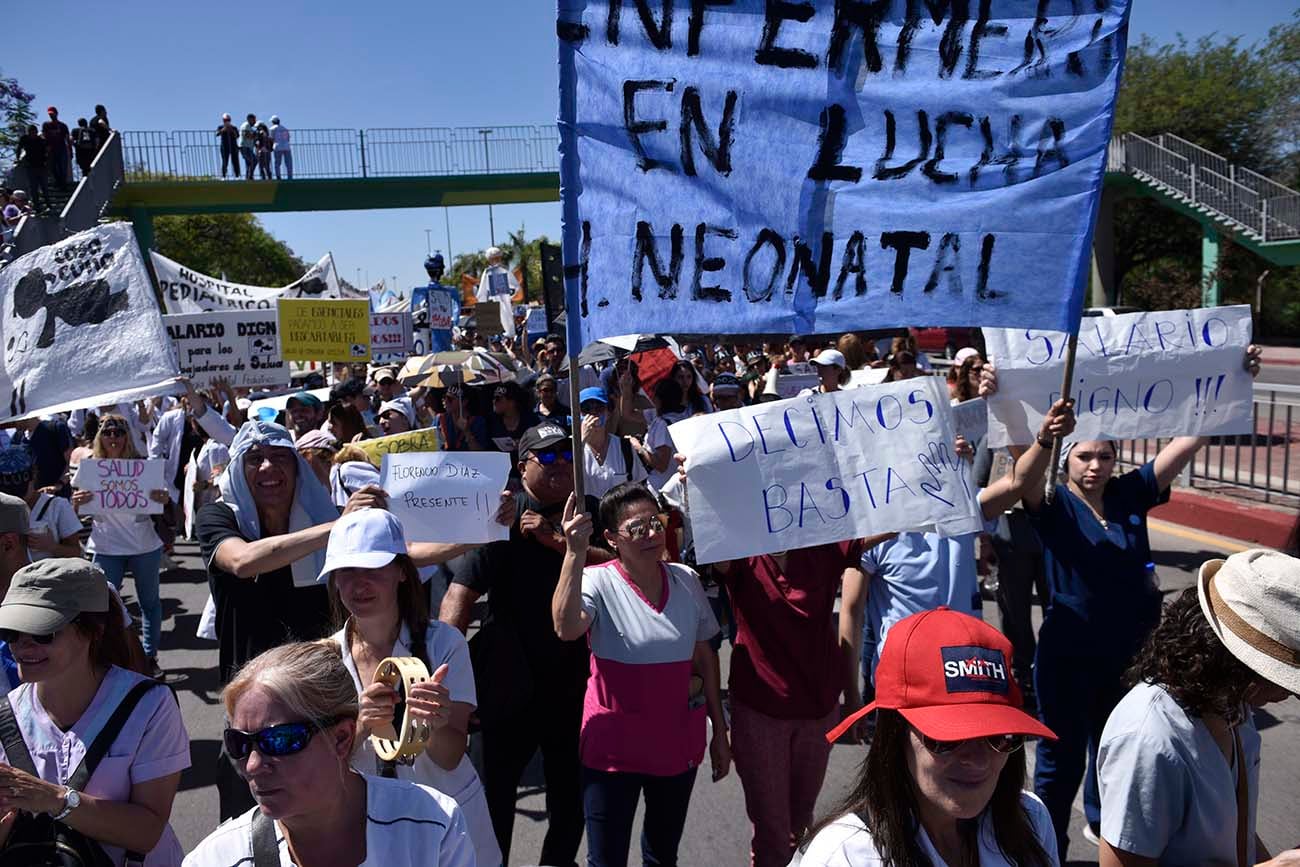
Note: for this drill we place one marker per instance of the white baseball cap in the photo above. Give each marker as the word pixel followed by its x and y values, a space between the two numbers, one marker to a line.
pixel 365 539
pixel 964 353
pixel 1252 600
pixel 831 358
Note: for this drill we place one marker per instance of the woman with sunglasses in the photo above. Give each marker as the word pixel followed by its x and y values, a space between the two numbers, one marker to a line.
pixel 75 657
pixel 511 416
pixel 643 726
pixel 293 730
pixel 943 780
pixel 121 542
pixel 378 597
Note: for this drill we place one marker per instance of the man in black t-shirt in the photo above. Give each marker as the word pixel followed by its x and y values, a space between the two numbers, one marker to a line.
pixel 530 683
pixel 262 568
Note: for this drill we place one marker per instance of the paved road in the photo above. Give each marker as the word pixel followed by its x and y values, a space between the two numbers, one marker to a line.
pixel 717 831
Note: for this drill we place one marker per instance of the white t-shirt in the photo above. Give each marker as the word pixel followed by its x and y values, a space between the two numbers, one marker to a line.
pixel 443 645
pixel 1167 790
pixel 122 535
pixel 846 842
pixel 613 472
pixel 407 825
pixel 658 436
pixel 56 516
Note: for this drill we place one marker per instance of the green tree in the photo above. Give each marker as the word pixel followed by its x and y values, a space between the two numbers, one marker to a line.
pixel 15 115
pixel 236 245
pixel 1239 101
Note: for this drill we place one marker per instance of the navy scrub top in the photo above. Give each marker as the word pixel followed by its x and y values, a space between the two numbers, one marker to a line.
pixel 1097 575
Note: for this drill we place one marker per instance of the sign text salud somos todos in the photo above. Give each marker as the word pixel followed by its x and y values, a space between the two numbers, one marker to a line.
pixel 824 166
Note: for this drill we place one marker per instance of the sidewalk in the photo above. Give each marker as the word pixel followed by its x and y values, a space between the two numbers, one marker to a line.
pixel 1253 523
pixel 1288 355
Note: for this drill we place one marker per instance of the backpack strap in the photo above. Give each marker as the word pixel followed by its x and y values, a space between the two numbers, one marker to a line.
pixel 99 746
pixel 16 752
pixel 266 850
pixel 45 507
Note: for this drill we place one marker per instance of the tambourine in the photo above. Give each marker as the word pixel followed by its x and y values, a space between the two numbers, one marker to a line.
pixel 401 673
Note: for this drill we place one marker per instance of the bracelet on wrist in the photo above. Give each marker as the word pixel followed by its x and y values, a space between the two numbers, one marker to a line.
pixel 1047 445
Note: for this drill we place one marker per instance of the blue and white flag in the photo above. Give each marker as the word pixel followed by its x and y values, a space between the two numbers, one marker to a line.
pixel 733 166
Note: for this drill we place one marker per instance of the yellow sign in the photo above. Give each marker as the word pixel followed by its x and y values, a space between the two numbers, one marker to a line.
pixel 424 440
pixel 312 330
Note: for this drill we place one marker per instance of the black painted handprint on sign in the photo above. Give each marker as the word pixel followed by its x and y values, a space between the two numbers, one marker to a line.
pixel 87 303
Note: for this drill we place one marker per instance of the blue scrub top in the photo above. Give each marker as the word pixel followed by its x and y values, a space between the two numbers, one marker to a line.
pixel 9 667
pixel 1097 575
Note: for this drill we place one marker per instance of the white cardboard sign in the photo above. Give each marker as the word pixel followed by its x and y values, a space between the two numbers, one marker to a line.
pixel 391 336
pixel 239 345
pixel 972 419
pixel 447 496
pixel 824 468
pixel 80 327
pixel 1154 374
pixel 120 486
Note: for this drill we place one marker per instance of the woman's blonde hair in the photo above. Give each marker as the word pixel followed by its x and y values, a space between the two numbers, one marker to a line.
pixel 351 454
pixel 308 677
pixel 128 441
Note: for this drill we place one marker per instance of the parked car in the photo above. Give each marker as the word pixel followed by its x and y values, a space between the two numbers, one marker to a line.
pixel 946 341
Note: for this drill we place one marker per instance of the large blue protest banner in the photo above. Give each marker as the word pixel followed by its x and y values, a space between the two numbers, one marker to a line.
pixel 732 166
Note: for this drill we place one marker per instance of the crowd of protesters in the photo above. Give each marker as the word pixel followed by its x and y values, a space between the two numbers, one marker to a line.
pixel 46 156
pixel 598 635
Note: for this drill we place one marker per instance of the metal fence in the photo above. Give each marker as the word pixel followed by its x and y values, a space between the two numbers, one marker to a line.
pixel 180 155
pixel 1260 465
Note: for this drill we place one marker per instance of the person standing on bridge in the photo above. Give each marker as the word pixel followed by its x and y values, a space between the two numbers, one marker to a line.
pixel 228 133
pixel 1105 600
pixel 248 144
pixel 280 147
pixel 1179 759
pixel 58 147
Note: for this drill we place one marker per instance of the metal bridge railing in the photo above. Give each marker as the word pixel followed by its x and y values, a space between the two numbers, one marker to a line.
pixel 1256 204
pixel 180 155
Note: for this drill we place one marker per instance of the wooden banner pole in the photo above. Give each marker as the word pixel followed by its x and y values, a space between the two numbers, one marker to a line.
pixel 1054 469
pixel 575 413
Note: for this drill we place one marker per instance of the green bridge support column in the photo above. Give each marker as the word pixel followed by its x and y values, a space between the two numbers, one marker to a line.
pixel 1209 266
pixel 142 221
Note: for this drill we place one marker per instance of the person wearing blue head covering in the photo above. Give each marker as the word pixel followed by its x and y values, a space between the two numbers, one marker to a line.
pixel 264 545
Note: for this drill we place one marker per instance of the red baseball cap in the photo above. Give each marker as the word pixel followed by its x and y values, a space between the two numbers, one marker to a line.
pixel 949 675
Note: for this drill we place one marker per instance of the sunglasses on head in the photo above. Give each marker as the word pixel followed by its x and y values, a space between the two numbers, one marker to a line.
pixel 547 457
pixel 1004 744
pixel 644 528
pixel 276 741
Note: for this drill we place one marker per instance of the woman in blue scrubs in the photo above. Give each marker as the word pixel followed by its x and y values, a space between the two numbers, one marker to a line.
pixel 1104 603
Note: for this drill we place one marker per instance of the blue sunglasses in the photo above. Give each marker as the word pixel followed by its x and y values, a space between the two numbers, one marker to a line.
pixel 276 741
pixel 549 456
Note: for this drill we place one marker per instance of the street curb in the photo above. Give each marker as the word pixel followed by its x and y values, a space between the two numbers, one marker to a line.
pixel 1258 524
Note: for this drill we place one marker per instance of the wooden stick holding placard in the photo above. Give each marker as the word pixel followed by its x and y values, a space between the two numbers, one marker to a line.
pixel 575 433
pixel 1054 470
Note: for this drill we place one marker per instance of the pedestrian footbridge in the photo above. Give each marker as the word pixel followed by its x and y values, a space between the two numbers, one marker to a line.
pixel 143 174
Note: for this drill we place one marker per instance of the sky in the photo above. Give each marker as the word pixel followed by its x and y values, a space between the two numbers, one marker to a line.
pixel 178 65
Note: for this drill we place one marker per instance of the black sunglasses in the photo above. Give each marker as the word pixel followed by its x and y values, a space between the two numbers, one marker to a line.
pixel 1004 744
pixel 276 741
pixel 549 456
pixel 11 636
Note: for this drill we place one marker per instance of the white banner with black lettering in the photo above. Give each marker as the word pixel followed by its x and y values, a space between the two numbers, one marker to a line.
pixel 80 326
pixel 824 468
pixel 187 291
pixel 237 345
pixel 1158 374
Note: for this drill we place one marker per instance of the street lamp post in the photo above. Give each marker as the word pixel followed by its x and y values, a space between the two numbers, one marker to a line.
pixel 428 245
pixel 487 164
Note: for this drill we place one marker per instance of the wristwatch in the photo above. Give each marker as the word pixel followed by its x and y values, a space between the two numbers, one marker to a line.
pixel 71 801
